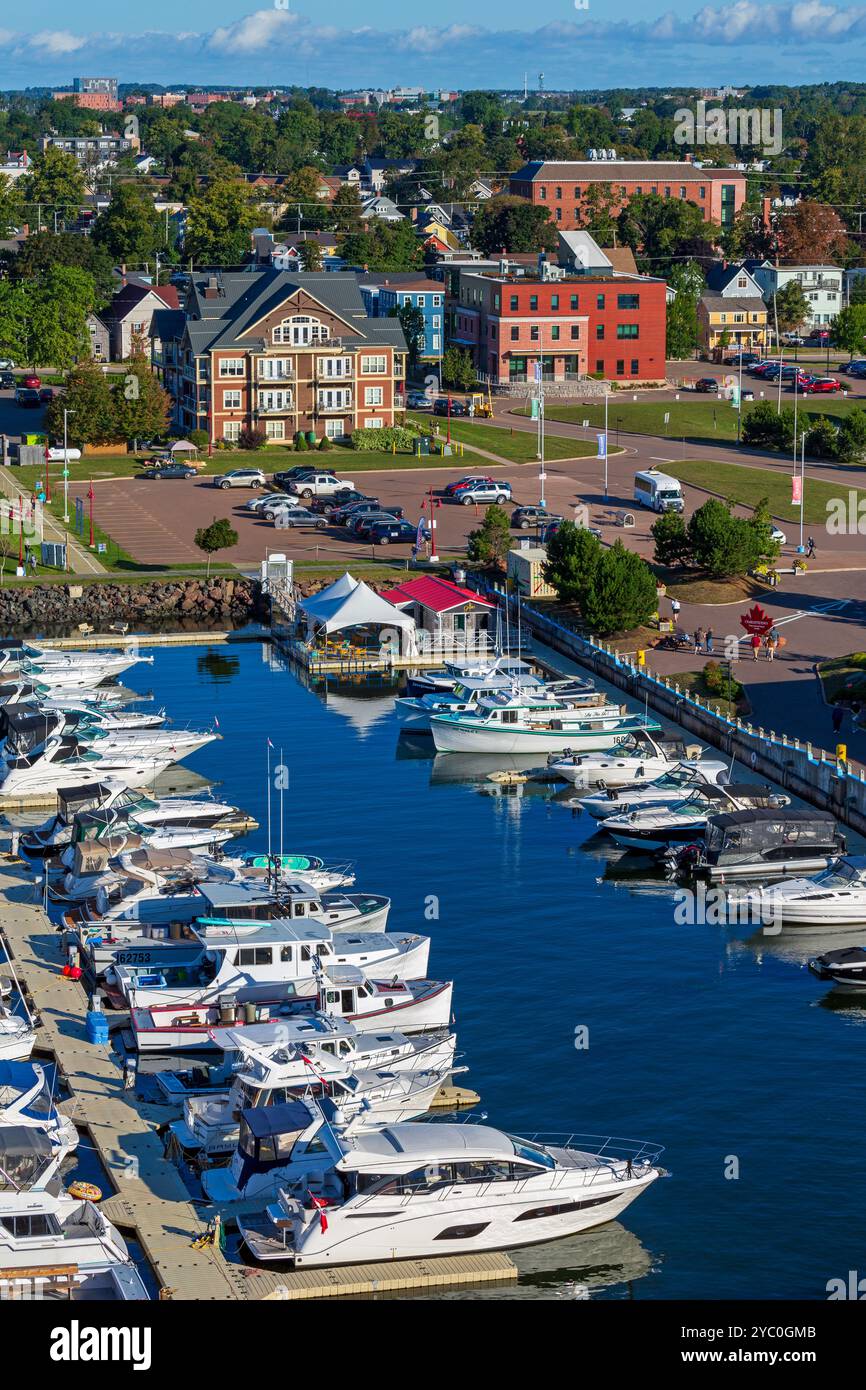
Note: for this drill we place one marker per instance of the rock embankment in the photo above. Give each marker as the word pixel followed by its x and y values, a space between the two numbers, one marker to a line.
pixel 183 603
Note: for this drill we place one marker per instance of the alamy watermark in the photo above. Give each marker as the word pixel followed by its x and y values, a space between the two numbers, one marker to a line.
pixel 716 125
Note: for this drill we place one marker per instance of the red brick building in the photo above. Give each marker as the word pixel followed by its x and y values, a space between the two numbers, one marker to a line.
pixel 562 187
pixel 575 325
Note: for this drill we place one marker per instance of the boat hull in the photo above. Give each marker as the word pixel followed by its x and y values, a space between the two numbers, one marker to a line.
pixel 454 737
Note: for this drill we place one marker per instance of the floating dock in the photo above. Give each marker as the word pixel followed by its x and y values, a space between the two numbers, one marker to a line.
pixel 93 641
pixel 151 1200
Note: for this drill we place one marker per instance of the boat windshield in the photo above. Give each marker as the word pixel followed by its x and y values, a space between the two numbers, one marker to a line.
pixel 532 1154
pixel 838 876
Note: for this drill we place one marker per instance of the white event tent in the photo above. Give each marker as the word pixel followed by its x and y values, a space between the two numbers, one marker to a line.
pixel 350 603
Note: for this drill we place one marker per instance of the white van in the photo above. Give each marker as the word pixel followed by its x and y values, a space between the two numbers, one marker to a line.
pixel 658 491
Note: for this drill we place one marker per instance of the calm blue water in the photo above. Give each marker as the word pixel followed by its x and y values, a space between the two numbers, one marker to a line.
pixel 717 1046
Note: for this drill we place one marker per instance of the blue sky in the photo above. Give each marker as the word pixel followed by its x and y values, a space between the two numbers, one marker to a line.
pixel 380 42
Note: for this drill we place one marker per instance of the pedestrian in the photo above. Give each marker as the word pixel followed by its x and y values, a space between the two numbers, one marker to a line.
pixel 32 563
pixel 838 716
pixel 675 608
pixel 756 645
pixel 699 638
pixel 856 710
pixel 810 544
pixel 709 639
pixel 771 647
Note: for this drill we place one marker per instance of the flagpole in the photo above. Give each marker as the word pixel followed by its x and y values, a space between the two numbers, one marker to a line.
pixel 282 779
pixel 605 443
pixel 269 798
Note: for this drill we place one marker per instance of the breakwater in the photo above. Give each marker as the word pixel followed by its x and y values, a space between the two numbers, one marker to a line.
pixel 49 608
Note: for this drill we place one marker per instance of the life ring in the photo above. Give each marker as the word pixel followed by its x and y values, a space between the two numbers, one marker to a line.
pixel 85 1191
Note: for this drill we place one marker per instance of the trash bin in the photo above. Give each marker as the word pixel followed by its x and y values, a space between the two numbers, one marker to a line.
pixel 311 437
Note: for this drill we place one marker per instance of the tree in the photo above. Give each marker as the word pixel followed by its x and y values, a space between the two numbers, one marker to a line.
pixel 851 439
pixel 414 327
pixel 10 206
pixel 311 254
pixel 458 370
pixel 687 280
pixel 513 225
pixel 813 234
pixel 661 230
pixel 766 428
pixel 89 405
pixel 857 293
pixel 572 555
pixel 383 246
pixel 490 544
pixel 791 307
pixel 346 209
pixel 724 545
pixel 43 250
pixel 220 222
pixel 142 408
pixel 130 229
pixel 849 329
pixel 220 535
pixel 598 213
pixel 621 592
pixel 55 182
pixel 672 546
pixel 43 321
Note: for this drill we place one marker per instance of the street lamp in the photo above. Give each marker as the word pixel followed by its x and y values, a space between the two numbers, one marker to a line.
pixel 66 413
pixel 90 495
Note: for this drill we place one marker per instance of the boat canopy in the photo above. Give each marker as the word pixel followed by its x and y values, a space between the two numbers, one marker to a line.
pixel 72 799
pixel 24 1154
pixel 767 828
pixel 26 728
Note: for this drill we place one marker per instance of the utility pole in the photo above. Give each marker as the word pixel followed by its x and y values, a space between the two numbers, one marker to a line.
pixel 542 476
pixel 66 414
pixel 605 441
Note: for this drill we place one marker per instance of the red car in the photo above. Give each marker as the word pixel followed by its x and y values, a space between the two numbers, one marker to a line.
pixel 32 382
pixel 452 489
pixel 822 384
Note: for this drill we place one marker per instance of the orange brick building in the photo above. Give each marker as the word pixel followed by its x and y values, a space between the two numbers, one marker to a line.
pixel 561 186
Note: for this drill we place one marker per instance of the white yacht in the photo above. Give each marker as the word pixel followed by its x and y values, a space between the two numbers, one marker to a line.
pixel 351 1195
pixel 666 790
pixel 70 670
pixel 524 723
pixel 63 762
pixel 78 712
pixel 836 898
pixel 27 1100
pixel 683 822
pixel 17 1037
pixel 442 681
pixel 413 1006
pixel 27 734
pixel 44 1230
pixel 115 795
pixel 640 758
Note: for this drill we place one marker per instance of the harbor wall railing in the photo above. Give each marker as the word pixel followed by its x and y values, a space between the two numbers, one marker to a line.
pixel 819 777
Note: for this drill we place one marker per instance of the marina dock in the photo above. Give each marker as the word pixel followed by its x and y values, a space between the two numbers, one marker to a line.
pixel 151 1201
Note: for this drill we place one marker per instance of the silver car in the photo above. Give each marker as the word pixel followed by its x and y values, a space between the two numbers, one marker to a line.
pixel 240 477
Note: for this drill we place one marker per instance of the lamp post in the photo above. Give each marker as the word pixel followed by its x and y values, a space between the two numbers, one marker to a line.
pixel 47 479
pixel 90 500
pixel 66 414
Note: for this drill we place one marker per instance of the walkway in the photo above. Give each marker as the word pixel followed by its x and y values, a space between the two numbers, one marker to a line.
pixel 81 561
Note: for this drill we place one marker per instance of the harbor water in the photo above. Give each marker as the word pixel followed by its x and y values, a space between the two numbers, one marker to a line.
pixel 582 1005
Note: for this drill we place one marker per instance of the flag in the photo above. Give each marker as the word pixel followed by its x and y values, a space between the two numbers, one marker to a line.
pixel 270 745
pixel 320 1203
pixel 796 492
pixel 216 722
pixel 602 446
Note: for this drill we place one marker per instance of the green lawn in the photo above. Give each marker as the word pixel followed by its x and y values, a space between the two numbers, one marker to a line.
pixel 695 682
pixel 749 485
pixel 701 421
pixel 844 678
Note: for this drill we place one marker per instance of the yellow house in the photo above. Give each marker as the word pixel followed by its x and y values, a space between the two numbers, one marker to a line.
pixel 443 234
pixel 744 321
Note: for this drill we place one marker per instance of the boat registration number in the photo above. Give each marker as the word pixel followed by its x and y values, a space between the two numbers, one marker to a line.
pixel 132 957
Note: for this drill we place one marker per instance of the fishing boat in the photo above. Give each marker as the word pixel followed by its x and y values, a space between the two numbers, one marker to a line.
pixel 836 898
pixel 44 1229
pixel 683 822
pixel 667 790
pixel 265 962
pixel 523 723
pixel 641 757
pixel 762 843
pixel 352 1195
pixel 845 969
pixel 414 711
pixel 344 992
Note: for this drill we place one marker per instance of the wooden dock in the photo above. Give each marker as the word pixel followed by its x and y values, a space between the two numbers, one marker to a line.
pixel 151 1200
pixel 95 641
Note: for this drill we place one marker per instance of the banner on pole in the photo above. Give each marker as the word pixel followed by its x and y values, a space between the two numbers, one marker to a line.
pixel 602 446
pixel 796 491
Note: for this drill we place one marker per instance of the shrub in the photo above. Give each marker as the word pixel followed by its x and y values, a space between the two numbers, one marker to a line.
pixel 200 438
pixel 822 439
pixel 301 442
pixel 715 679
pixel 401 437
pixel 325 444
pixel 252 439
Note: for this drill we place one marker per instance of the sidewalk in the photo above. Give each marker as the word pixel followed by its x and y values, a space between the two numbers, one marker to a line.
pixel 80 560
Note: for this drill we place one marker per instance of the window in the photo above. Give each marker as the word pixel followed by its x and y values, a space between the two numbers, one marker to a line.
pixel 628 301
pixel 667 191
pixel 599 301
pixel 372 424
pixel 620 367
pixel 371 366
pixel 231 400
pixel 515 335
pixel 599 332
pixel 232 366
pixel 437 301
pixel 335 366
pixel 232 431
pixel 559 214
pixel 702 191
pixel 682 191
pixel 435 342
pixel 335 429
pixel 575 331
pixel 334 399
pixel 512 303
pixel 627 330
pixel 285 953
pixel 273 368
pixel 275 400
pixel 554 333
pixel 533 302
pixel 373 395
pixel 655 188
pixel 554 301
pixel 275 429
pixel 599 364
pixel 542 193
pixel 558 192
pixel 300 331
pixel 533 334
pixel 462 1232
pixel 255 955
pixel 635 367
pixel 577 190
pixel 572 303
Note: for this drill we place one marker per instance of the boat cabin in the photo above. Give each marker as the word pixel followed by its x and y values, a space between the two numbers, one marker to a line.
pixel 766 836
pixel 272 1136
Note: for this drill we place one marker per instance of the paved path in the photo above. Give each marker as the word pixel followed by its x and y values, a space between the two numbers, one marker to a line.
pixel 80 559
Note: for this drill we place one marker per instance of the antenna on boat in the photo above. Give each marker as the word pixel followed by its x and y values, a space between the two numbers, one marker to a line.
pixel 269 797
pixel 518 624
pixel 282 780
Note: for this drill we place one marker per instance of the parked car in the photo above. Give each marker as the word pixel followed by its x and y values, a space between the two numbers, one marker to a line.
pixel 747 358
pixel 392 533
pixel 483 493
pixel 58 455
pixel 32 381
pixel 706 384
pixel 287 476
pixel 170 470
pixel 856 369
pixel 240 477
pixel 264 499
pixel 6 364
pixel 360 525
pixel 320 485
pixel 761 368
pixel 46 395
pixel 797 381
pixel 285 518
pixel 451 489
pixel 778 535
pixel 25 396
pixel 357 510
pixel 418 400
pixel 458 407
pixel 819 335
pixel 326 506
pixel 821 385
pixel 552 528
pixel 523 518
pixel 7 381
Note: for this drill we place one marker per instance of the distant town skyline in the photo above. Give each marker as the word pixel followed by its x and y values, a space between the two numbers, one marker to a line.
pixel 632 45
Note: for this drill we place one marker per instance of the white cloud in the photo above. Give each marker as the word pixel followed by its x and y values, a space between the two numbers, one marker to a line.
pixel 254 32
pixel 58 41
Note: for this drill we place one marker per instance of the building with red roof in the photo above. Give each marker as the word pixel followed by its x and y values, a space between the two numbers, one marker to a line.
pixel 449 612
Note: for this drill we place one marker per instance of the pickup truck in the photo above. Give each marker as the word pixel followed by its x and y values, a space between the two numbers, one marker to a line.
pixel 320 485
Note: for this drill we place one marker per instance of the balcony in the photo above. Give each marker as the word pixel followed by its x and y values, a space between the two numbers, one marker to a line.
pixel 284 374
pixel 335 407
pixel 287 408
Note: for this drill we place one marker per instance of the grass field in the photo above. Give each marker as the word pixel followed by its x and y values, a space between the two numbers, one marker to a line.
pixel 701 421
pixel 519 447
pixel 844 678
pixel 749 485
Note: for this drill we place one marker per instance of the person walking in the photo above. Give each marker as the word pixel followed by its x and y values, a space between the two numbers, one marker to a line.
pixel 810 547
pixel 709 640
pixel 699 638
pixel 756 645
pixel 837 717
pixel 771 647
pixel 675 608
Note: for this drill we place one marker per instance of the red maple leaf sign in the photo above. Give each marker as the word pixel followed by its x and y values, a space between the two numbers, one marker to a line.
pixel 756 620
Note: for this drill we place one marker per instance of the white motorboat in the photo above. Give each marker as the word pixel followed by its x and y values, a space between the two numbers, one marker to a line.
pixel 63 762
pixel 413 1006
pixel 641 757
pixel 44 1229
pixel 761 843
pixel 265 962
pixel 17 1037
pixel 845 969
pixel 27 734
pixel 77 712
pixel 75 670
pixel 523 723
pixel 102 837
pixel 836 898
pixel 442 681
pixel 667 790
pixel 684 822
pixel 114 795
pixel 27 1100
pixel 409 1191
